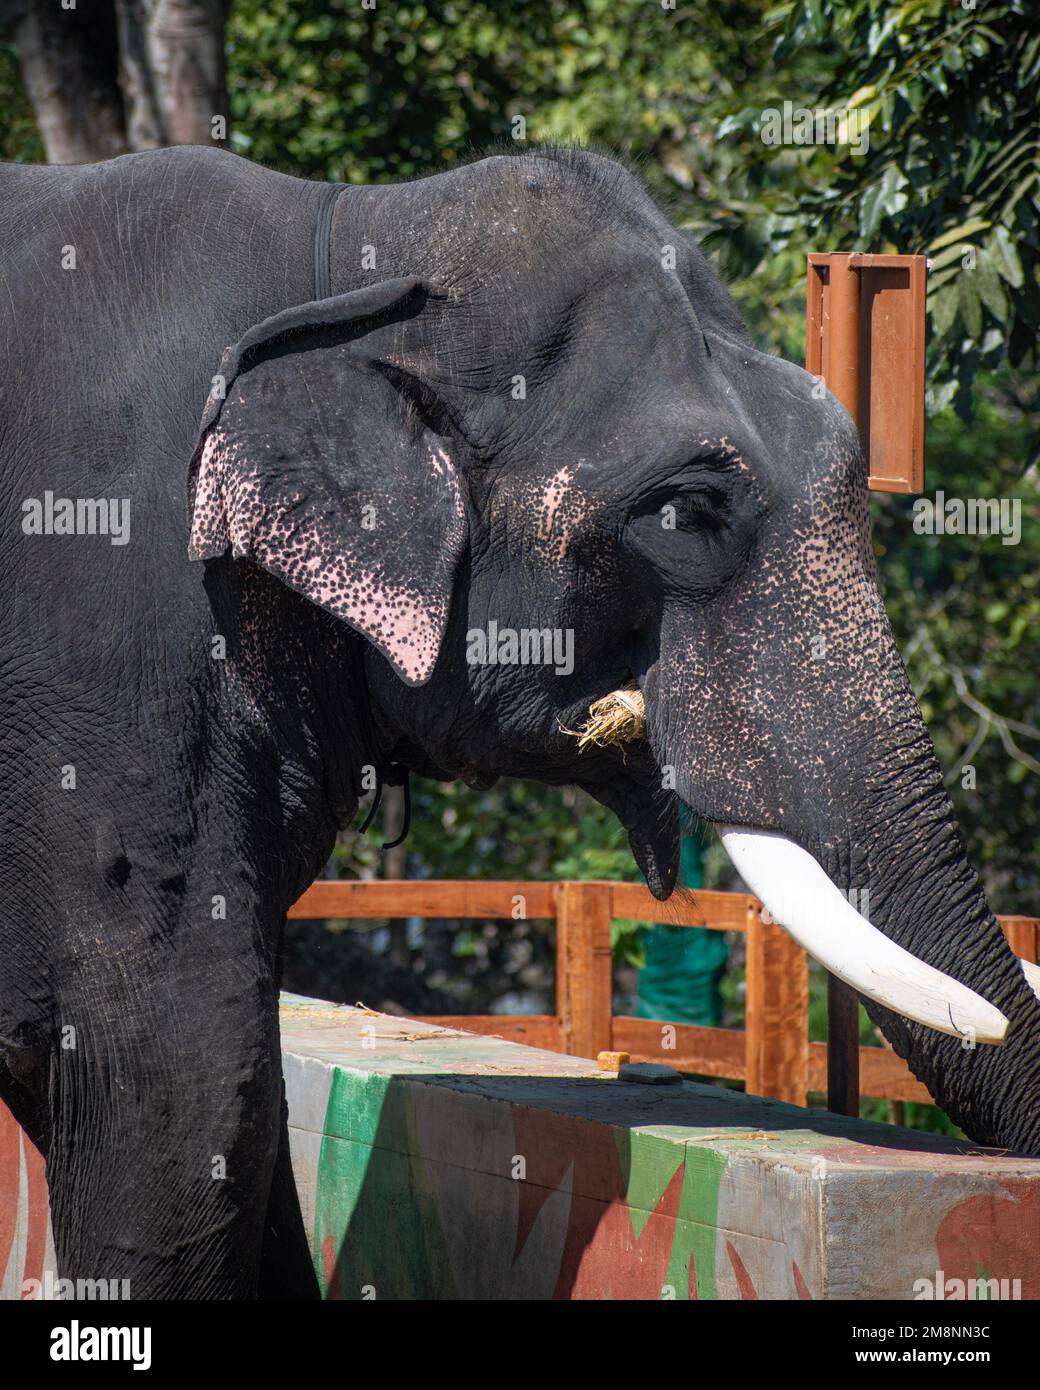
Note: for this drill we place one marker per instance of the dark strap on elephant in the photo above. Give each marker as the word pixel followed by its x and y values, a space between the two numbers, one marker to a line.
pixel 374 807
pixel 395 775
pixel 327 201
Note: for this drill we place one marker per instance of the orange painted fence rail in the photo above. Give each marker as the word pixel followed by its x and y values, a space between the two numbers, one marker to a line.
pixel 772 1054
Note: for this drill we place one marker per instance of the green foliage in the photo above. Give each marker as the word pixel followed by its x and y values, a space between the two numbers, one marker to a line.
pixel 450 78
pixel 515 830
pixel 19 139
pixel 952 168
pixel 966 611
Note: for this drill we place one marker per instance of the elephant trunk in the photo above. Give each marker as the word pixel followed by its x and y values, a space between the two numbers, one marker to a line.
pixel 920 943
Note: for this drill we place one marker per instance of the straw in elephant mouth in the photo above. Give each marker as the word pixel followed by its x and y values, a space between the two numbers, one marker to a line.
pixel 619 717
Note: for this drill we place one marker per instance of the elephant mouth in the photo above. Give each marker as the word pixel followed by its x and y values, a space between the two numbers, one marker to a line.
pixel 798 895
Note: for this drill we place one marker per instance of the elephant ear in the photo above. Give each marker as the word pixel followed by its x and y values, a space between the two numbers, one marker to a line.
pixel 325 464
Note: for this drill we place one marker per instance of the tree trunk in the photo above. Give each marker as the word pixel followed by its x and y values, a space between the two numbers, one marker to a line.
pixel 144 119
pixel 184 42
pixel 69 64
pixel 110 76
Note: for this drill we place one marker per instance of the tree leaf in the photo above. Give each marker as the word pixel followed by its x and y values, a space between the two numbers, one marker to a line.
pixel 991 292
pixel 1002 248
pixel 961 233
pixel 945 259
pixel 882 199
pixel 939 395
pixel 739 120
pixel 941 277
pixel 943 308
pixel 970 304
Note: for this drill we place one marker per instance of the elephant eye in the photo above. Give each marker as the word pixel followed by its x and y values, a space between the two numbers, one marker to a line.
pixel 688 537
pixel 690 510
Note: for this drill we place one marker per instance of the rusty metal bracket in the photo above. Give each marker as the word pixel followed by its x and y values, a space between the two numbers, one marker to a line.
pixel 865 336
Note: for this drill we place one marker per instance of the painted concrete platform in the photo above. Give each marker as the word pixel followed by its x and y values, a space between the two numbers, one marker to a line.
pixel 434 1164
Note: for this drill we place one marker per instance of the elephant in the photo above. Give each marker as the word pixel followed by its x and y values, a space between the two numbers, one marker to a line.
pixel 309 484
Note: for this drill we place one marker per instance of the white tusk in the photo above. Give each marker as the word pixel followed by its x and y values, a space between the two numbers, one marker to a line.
pixel 1032 974
pixel 799 895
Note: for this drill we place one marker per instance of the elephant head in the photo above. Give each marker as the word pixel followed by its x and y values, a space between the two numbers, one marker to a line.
pixel 534 458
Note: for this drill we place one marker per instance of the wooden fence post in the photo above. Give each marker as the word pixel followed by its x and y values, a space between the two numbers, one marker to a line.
pixel 584 984
pixel 777 1006
pixel 1023 936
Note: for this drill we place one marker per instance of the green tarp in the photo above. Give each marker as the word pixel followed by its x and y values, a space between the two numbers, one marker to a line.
pixel 680 981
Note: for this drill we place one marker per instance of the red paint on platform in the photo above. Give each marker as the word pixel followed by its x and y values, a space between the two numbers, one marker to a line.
pixel 993 1236
pixel 10 1138
pixel 36 1241
pixel 553 1145
pixel 14 1147
pixel 617 1264
pixel 744 1284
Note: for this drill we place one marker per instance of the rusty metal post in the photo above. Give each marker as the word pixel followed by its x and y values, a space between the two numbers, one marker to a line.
pixel 842 1048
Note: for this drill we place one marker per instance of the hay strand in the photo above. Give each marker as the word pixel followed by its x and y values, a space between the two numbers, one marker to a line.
pixel 619 717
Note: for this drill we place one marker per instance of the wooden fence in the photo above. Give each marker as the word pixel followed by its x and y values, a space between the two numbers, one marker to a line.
pixel 772 1054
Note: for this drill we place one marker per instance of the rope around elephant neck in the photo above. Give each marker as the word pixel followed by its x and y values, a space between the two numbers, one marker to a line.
pixel 327 200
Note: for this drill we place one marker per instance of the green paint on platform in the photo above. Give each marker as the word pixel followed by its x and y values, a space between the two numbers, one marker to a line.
pixel 651 1167
pixel 697 1231
pixel 654 1163
pixel 377 1226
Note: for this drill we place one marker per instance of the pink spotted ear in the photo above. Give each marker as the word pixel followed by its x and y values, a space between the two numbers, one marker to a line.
pixel 313 465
